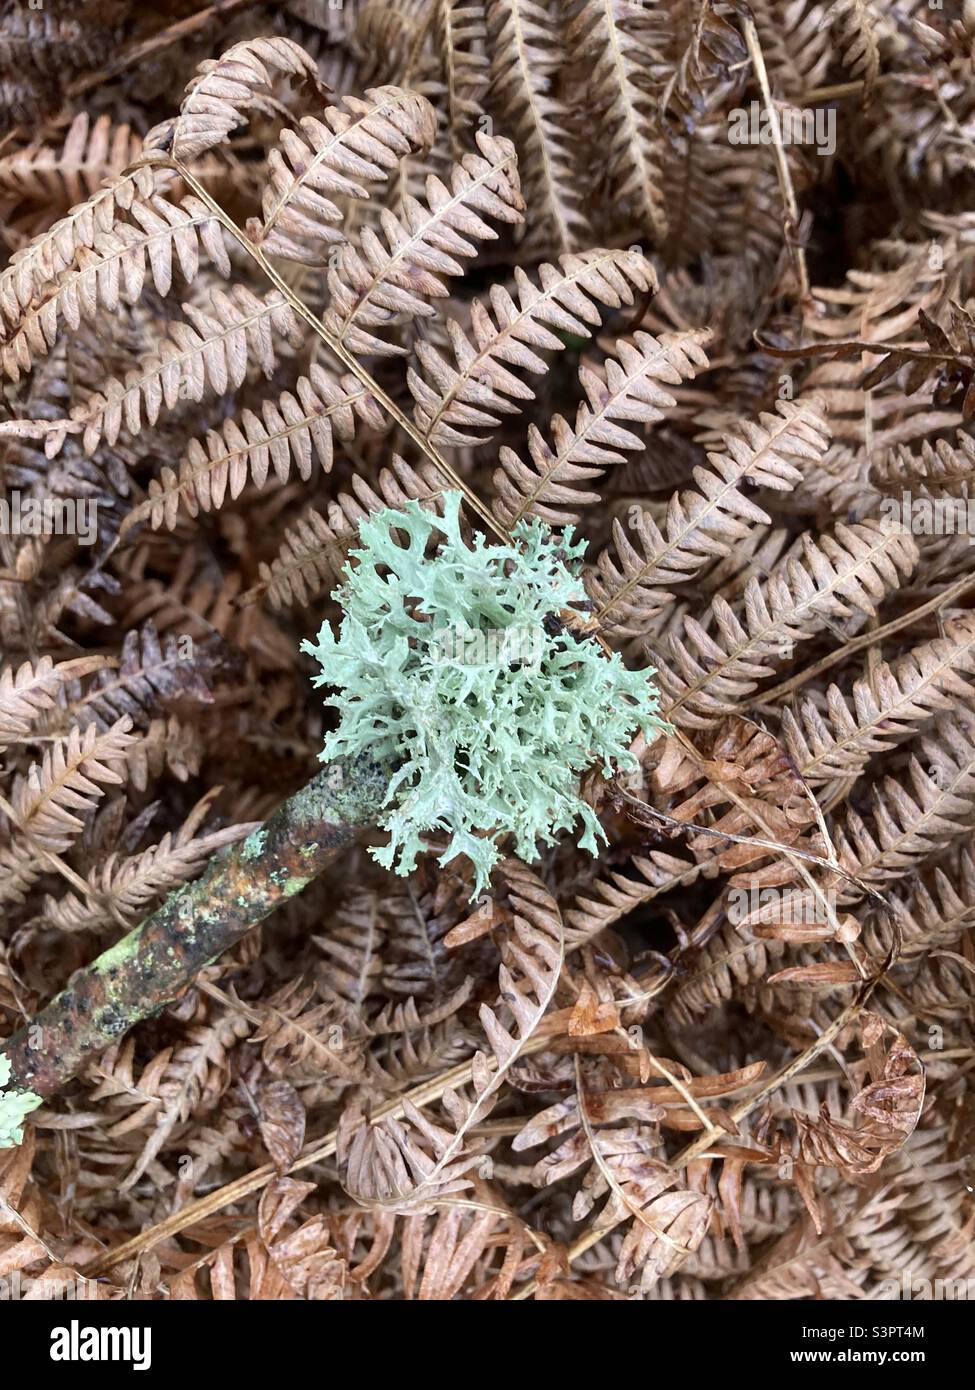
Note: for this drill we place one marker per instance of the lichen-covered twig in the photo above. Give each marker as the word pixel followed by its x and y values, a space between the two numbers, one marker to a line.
pixel 241 885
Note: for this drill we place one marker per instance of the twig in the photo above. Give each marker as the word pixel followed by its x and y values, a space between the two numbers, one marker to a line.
pixel 645 814
pixel 351 362
pixel 781 163
pixel 866 639
pixel 241 885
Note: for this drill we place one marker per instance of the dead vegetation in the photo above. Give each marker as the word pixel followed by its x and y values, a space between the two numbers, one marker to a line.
pixel 379 251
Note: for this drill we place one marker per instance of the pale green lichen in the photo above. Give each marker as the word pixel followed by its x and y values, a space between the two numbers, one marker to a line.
pixel 453 662
pixel 15 1106
pixel 253 846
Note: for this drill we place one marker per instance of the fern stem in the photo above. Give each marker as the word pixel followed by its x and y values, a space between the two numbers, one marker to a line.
pixel 781 163
pixel 873 636
pixel 338 348
pixel 241 886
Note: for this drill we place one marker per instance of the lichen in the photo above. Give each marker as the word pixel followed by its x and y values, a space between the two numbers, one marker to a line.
pixel 454 663
pixel 253 846
pixel 15 1106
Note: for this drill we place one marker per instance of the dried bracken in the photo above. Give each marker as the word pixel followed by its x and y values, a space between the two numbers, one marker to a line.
pixel 694 279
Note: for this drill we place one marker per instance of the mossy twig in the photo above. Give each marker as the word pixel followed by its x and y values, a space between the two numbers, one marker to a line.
pixel 241 885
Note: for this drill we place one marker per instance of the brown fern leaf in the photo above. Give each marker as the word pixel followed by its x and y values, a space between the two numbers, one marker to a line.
pixel 700 525
pixel 309 559
pixel 338 157
pixel 632 389
pixel 937 1203
pixel 405 1164
pixel 169 743
pixel 462 31
pixel 69 779
pixel 375 286
pixel 931 806
pixel 294 430
pixel 857 26
pixel 939 469
pixel 714 663
pixel 305 1039
pixel 796 45
pixel 28 690
pixel 525 47
pixel 733 958
pixel 663 1227
pixel 353 951
pixel 148 672
pixel 93 150
pixel 887 707
pixel 224 91
pixel 608 43
pixel 398 1061
pixel 113 271
pixel 196 1076
pixel 879 305
pixel 210 352
pixel 302 1255
pixel 615 895
pixel 123 887
pixel 931 910
pixel 453 399
pixel 38 264
pixel 886 1108
pixel 440 1253
pixel 314 550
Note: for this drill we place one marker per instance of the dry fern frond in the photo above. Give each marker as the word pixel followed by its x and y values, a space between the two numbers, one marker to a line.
pixel 616 894
pixel 462 30
pixel 114 269
pixel 38 264
pixel 407 1164
pixel 933 910
pixel 27 691
pixel 887 708
pixel 313 552
pixel 524 42
pixel 633 389
pixel 225 90
pixel 938 469
pixel 338 157
pixel 93 150
pixel 857 27
pixel 295 430
pixel 385 221
pixel 724 657
pixel 376 285
pixel 608 43
pixel 700 525
pixel 123 888
pixel 451 400
pixel 210 351
pixel 45 801
pixel 920 813
pixel 148 671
